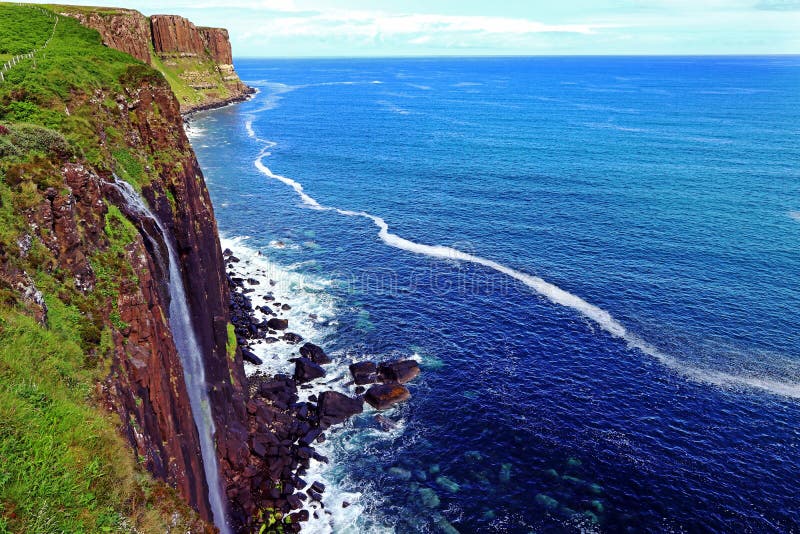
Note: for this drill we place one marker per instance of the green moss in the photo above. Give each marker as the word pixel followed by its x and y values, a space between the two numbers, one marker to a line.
pixel 130 168
pixel 232 344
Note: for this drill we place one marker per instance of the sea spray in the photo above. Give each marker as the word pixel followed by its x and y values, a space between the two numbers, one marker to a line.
pixel 191 356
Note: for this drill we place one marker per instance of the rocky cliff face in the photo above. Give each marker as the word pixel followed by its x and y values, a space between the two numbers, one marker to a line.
pixel 199 60
pixel 217 44
pixel 176 35
pixel 74 235
pixel 124 29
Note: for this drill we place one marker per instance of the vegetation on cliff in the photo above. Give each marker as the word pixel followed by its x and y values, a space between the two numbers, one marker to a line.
pixel 64 253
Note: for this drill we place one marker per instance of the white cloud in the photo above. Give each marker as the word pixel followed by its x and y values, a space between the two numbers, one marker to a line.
pixel 414 29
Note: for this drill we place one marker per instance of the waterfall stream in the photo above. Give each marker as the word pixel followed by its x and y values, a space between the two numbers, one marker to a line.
pixel 180 322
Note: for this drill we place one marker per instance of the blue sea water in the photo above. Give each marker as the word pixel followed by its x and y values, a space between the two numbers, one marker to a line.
pixel 609 332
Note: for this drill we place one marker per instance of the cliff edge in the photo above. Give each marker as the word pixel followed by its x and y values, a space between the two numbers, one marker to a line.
pixel 196 61
pixel 97 432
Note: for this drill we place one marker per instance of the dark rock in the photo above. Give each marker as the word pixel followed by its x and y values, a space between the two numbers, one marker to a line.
pixel 227 252
pixel 300 516
pixel 234 259
pixel 400 371
pixel 360 390
pixel 271 339
pixel 385 423
pixel 345 504
pixel 291 337
pixel 249 356
pixel 294 501
pixel 305 370
pixel 364 372
pixel 253 282
pixel 319 487
pixel 314 353
pixel 382 396
pixel 278 324
pixel 309 438
pixel 286 307
pixel 314 495
pixel 334 408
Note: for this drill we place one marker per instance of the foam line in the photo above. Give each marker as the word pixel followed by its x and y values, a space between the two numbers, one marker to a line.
pixel 553 293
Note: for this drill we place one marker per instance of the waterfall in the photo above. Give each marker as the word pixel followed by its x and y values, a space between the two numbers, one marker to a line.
pixel 180 322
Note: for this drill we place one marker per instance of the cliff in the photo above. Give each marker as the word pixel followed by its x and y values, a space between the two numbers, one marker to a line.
pixel 196 61
pixel 98 432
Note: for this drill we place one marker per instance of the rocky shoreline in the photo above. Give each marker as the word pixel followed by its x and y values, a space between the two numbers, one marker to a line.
pixel 245 96
pixel 284 429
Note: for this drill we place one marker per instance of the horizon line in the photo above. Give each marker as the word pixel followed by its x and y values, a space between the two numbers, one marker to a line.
pixel 490 56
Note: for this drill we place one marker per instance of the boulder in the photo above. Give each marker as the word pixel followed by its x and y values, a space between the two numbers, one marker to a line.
pixel 364 372
pixel 314 353
pixel 334 408
pixel 400 371
pixel 305 370
pixel 382 396
pixel 249 356
pixel 291 337
pixel 278 324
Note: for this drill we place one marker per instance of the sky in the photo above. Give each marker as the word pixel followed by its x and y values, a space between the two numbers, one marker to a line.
pixel 292 28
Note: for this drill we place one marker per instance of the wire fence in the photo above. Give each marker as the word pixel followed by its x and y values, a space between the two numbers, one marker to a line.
pixel 14 61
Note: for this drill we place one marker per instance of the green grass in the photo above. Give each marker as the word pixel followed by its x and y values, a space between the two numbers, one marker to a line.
pixel 183 92
pixel 23 29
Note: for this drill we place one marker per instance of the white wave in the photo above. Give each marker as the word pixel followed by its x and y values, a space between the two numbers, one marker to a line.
pixel 795 215
pixel 612 126
pixel 394 108
pixel 550 291
pixel 193 131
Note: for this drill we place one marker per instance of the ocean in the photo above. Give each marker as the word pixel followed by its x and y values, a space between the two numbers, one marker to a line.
pixel 596 261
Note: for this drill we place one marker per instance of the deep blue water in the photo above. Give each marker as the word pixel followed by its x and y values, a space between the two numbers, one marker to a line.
pixel 663 191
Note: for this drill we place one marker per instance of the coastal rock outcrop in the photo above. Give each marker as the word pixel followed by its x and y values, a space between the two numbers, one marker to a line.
pixel 181 50
pixel 126 30
pixel 175 35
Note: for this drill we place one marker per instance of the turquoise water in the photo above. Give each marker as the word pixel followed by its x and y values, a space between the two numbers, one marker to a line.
pixel 610 337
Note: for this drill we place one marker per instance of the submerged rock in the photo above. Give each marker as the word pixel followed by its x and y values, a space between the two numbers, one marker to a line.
pixel 429 498
pixel 444 525
pixel 382 396
pixel 546 501
pixel 399 472
pixel 505 473
pixel 448 484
